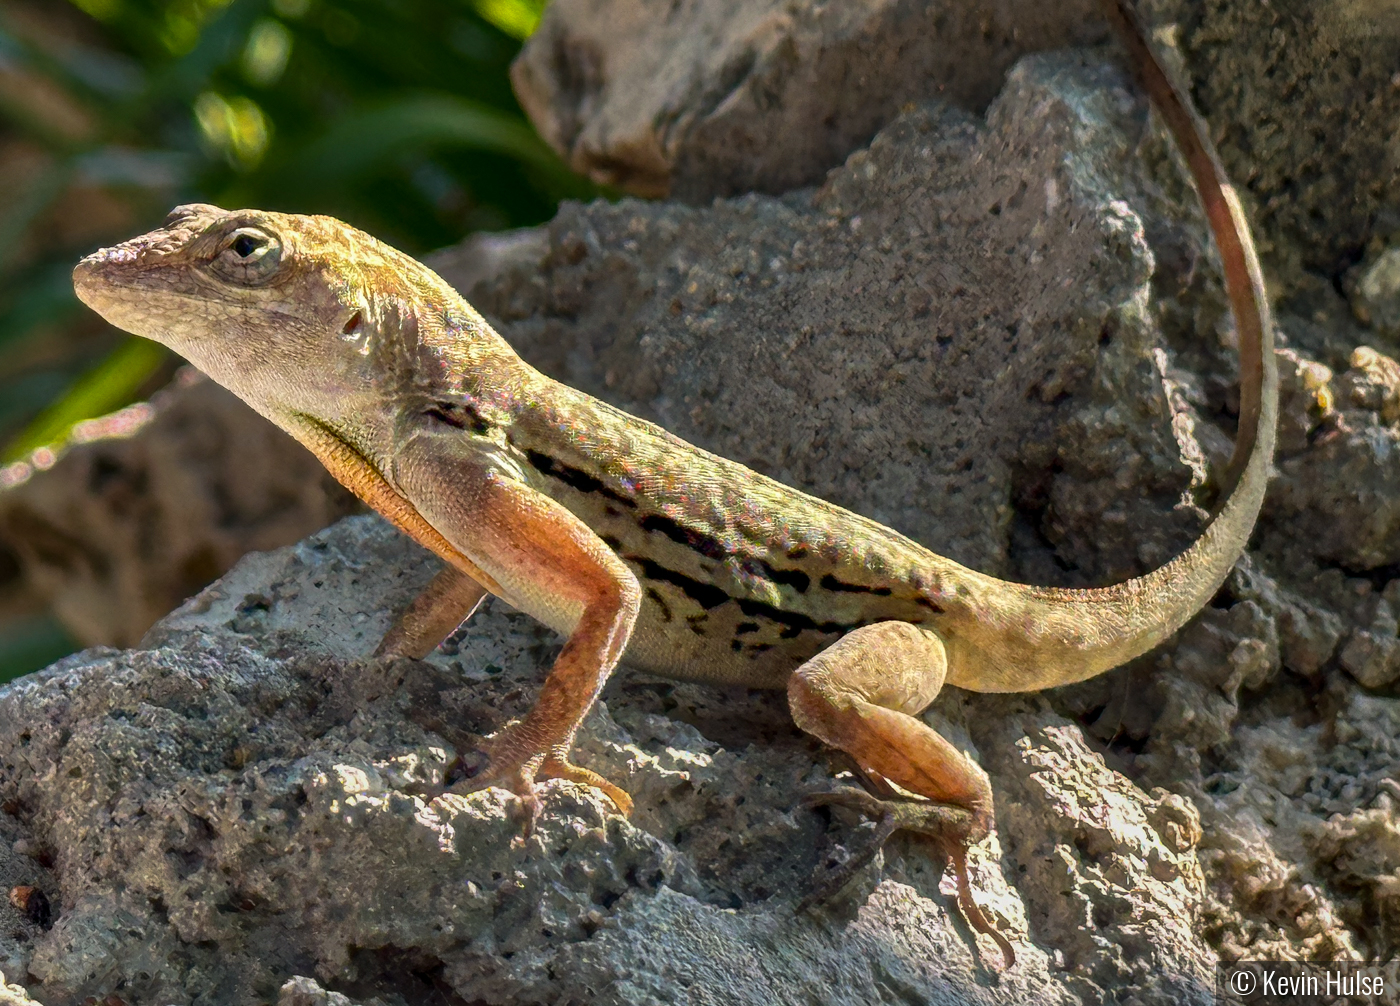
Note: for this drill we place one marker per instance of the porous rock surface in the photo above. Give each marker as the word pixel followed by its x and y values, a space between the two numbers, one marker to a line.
pixel 713 97
pixel 231 807
pixel 1303 101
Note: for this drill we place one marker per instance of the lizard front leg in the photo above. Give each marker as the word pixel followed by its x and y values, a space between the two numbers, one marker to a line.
pixel 445 603
pixel 451 596
pixel 861 695
pixel 553 564
pixel 451 502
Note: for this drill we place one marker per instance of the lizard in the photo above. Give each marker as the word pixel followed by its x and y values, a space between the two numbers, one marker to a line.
pixel 628 540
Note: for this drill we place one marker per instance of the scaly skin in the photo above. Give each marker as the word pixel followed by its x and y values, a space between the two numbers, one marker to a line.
pixel 623 537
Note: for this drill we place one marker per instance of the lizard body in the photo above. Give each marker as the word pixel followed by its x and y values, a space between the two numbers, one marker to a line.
pixel 622 536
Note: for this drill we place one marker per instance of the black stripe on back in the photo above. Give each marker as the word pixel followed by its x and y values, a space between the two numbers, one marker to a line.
pixel 575 478
pixel 697 541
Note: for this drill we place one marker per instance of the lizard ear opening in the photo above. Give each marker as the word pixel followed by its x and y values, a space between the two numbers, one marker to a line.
pixel 352 325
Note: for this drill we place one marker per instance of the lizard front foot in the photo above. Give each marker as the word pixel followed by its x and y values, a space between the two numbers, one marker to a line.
pixel 951 829
pixel 516 764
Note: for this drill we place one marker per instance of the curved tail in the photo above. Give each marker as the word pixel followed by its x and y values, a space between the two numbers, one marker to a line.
pixel 1018 638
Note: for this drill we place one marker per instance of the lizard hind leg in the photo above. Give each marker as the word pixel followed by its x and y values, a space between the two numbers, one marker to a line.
pixel 861 695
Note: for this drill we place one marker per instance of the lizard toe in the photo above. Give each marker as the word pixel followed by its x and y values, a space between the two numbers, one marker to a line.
pixel 511 765
pixel 948 828
pixel 556 767
pixel 518 778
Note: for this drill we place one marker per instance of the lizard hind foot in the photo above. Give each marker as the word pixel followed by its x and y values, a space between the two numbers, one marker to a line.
pixel 944 826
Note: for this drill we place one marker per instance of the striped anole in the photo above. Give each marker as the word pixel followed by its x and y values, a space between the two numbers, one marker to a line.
pixel 624 538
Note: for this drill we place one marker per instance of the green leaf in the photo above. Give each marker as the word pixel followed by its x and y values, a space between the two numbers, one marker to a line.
pixel 517 18
pixel 220 42
pixel 110 385
pixel 363 140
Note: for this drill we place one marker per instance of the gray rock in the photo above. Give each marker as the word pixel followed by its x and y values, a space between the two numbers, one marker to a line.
pixel 1303 106
pixel 1375 292
pixel 1092 851
pixel 957 324
pixel 1004 337
pixel 714 97
pixel 232 806
pixel 1340 501
pixel 14 995
pixel 18 870
pixel 303 991
pixel 127 525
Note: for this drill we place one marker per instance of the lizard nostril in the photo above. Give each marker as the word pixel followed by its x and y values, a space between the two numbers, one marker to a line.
pixel 353 325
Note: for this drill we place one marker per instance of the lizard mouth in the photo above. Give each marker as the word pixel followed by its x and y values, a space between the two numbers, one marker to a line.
pixel 111 275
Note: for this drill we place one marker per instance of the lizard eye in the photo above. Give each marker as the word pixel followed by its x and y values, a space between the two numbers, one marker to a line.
pixel 249 257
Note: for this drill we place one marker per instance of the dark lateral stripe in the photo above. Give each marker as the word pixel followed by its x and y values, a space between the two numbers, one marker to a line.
pixel 712 548
pixel 660 602
pixel 830 582
pixel 707 595
pixel 794 578
pixel 681 535
pixel 575 478
pixel 793 622
pixel 460 415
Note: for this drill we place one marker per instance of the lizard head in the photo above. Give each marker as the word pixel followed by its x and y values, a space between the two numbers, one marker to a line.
pixel 280 308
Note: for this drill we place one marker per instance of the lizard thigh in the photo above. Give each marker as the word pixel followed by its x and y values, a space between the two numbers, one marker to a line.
pixel 860 695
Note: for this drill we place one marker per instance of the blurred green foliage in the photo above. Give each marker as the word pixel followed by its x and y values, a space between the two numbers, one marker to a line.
pixel 395 115
pixel 29 644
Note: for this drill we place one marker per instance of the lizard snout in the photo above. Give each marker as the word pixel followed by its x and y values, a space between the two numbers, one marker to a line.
pixel 88 279
pixel 109 282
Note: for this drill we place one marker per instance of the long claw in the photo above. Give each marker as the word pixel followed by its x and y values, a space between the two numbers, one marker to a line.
pixel 945 826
